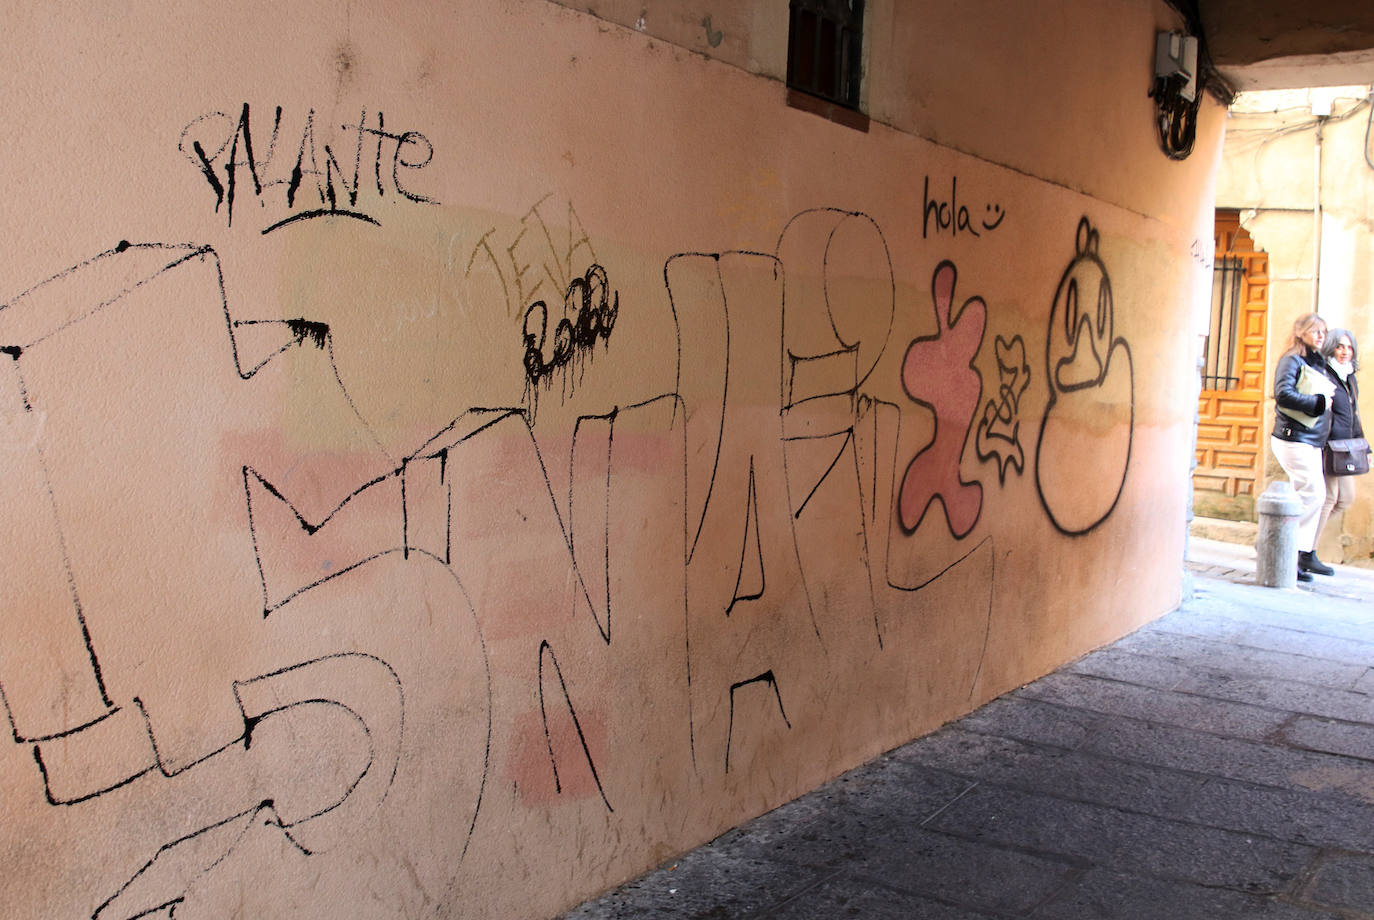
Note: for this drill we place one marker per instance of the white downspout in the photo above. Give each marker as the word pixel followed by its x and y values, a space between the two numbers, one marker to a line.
pixel 1317 215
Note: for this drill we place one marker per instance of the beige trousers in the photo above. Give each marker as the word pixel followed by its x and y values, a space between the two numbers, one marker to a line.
pixel 1303 464
pixel 1340 493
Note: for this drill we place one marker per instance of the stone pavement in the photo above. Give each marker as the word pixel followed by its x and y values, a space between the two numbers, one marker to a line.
pixel 1216 765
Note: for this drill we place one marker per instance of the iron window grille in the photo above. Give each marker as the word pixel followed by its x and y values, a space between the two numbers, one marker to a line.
pixel 825 49
pixel 1223 333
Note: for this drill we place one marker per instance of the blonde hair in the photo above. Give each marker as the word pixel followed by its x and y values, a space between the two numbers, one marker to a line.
pixel 1301 326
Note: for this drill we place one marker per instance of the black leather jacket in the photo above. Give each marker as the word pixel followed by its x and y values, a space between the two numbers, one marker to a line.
pixel 1345 415
pixel 1286 394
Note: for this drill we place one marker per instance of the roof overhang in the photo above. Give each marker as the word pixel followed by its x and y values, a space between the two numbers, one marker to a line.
pixel 1286 44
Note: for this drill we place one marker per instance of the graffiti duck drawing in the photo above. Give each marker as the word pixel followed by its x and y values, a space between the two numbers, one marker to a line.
pixel 1085 439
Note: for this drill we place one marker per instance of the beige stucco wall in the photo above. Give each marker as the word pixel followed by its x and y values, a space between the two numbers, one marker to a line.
pixel 1269 171
pixel 342 583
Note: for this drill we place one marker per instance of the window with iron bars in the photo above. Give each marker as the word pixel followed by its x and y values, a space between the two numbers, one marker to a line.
pixel 1223 333
pixel 825 49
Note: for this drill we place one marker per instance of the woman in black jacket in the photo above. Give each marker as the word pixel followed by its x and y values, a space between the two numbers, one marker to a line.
pixel 1342 361
pixel 1297 442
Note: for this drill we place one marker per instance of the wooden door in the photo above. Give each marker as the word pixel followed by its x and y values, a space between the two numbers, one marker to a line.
pixel 1230 408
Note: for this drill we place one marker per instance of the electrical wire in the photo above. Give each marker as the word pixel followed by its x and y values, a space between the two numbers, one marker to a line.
pixel 1367 125
pixel 1176 117
pixel 1259 139
pixel 1269 135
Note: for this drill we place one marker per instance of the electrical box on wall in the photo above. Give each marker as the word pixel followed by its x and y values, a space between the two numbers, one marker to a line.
pixel 1176 62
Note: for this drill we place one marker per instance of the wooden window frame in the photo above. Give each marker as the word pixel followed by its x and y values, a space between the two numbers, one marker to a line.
pixel 825 59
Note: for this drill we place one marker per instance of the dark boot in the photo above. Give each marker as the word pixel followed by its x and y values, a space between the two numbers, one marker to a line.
pixel 1308 562
pixel 1304 576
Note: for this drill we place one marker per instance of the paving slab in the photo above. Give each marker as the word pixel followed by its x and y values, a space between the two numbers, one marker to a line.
pixel 975 875
pixel 1269 637
pixel 1250 662
pixel 1032 720
pixel 1319 820
pixel 706 883
pixel 1073 775
pixel 846 896
pixel 1343 880
pixel 1351 738
pixel 1126 841
pixel 1114 698
pixel 1283 695
pixel 1264 764
pixel 1122 896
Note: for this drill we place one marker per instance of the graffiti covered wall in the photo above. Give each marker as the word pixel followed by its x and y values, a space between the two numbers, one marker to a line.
pixel 457 456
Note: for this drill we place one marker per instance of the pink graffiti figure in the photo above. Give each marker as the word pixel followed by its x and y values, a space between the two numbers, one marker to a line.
pixel 938 373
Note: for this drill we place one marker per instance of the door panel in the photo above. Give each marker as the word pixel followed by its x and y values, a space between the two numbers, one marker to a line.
pixel 1231 404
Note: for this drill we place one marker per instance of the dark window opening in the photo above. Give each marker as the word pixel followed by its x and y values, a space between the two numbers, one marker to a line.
pixel 825 49
pixel 1223 336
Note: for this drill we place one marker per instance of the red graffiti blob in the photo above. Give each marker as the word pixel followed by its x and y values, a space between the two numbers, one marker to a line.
pixel 938 373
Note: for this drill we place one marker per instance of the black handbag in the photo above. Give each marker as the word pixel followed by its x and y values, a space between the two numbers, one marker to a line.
pixel 1346 456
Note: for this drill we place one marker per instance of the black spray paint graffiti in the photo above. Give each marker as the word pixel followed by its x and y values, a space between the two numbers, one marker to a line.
pixel 834 334
pixel 590 309
pixel 999 430
pixel 301 545
pixel 951 217
pixel 733 510
pixel 315 184
pixel 342 707
pixel 546 655
pixel 622 523
pixel 351 691
pixel 841 443
pixel 766 679
pixel 1202 252
pixel 739 549
pixel 1084 450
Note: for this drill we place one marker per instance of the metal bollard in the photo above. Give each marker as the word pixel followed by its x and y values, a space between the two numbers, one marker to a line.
pixel 1276 547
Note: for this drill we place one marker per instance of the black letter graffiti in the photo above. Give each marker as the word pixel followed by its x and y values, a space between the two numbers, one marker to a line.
pixel 316 167
pixel 954 217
